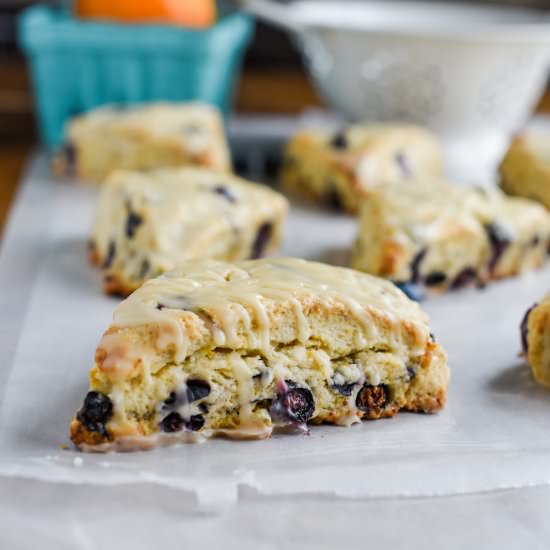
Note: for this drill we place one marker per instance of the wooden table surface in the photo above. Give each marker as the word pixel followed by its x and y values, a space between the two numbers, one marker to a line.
pixel 274 92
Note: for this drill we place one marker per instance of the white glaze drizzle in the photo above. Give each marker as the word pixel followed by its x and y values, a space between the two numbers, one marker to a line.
pixel 238 298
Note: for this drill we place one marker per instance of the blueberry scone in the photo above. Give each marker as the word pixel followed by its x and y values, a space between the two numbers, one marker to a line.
pixel 337 169
pixel 240 349
pixel 535 340
pixel 448 236
pixel 525 170
pixel 148 223
pixel 156 135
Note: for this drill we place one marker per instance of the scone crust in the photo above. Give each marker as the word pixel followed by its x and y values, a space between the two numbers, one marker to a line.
pixel 525 169
pixel 538 341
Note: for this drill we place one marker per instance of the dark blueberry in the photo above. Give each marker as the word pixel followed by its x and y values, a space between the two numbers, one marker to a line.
pixel 333 200
pixel 411 373
pixel 465 278
pixel 195 423
pixel 132 223
pixel 95 412
pixel 435 278
pixel 432 336
pixel 203 407
pixel 410 290
pixel 404 164
pixel 160 307
pixel 500 240
pixel 197 389
pixel 415 265
pixel 372 398
pixel 295 405
pixel 344 389
pixel 535 241
pixel 171 399
pixel 70 155
pixel 524 329
pixel 339 140
pixel 223 191
pixel 261 240
pixel 172 423
pixel 111 251
pixel 145 267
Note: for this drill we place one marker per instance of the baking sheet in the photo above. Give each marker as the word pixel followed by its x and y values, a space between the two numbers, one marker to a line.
pixel 494 433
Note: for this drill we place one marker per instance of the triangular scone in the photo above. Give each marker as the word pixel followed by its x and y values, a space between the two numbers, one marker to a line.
pixel 238 349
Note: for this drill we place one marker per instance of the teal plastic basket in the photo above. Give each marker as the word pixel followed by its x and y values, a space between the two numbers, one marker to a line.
pixel 77 65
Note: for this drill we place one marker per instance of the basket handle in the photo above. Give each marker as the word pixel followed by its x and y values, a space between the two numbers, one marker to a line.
pixel 272 12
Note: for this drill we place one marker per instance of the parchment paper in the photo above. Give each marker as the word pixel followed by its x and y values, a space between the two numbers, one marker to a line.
pixel 494 433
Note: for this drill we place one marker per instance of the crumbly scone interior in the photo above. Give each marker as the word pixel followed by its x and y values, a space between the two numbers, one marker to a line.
pixel 262 357
pixel 149 223
pixel 449 234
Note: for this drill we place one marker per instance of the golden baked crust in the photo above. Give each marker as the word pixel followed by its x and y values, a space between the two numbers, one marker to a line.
pixel 222 349
pixel 157 135
pixel 525 169
pixel 338 169
pixel 147 224
pixel 448 236
pixel 535 336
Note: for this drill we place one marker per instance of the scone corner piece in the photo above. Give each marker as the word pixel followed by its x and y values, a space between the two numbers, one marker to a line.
pixel 236 350
pixel 525 169
pixel 535 338
pixel 148 223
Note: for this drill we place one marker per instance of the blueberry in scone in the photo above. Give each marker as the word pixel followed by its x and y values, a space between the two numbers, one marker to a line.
pixel 338 169
pixel 238 350
pixel 156 135
pixel 445 236
pixel 148 223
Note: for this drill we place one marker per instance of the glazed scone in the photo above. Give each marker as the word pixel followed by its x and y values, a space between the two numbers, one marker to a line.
pixel 525 169
pixel 148 223
pixel 337 169
pixel 238 349
pixel 448 236
pixel 156 135
pixel 535 340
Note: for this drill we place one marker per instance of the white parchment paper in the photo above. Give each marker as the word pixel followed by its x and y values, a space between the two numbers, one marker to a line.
pixel 493 434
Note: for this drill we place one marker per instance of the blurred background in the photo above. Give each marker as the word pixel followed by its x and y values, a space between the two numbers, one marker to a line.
pixel 273 81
